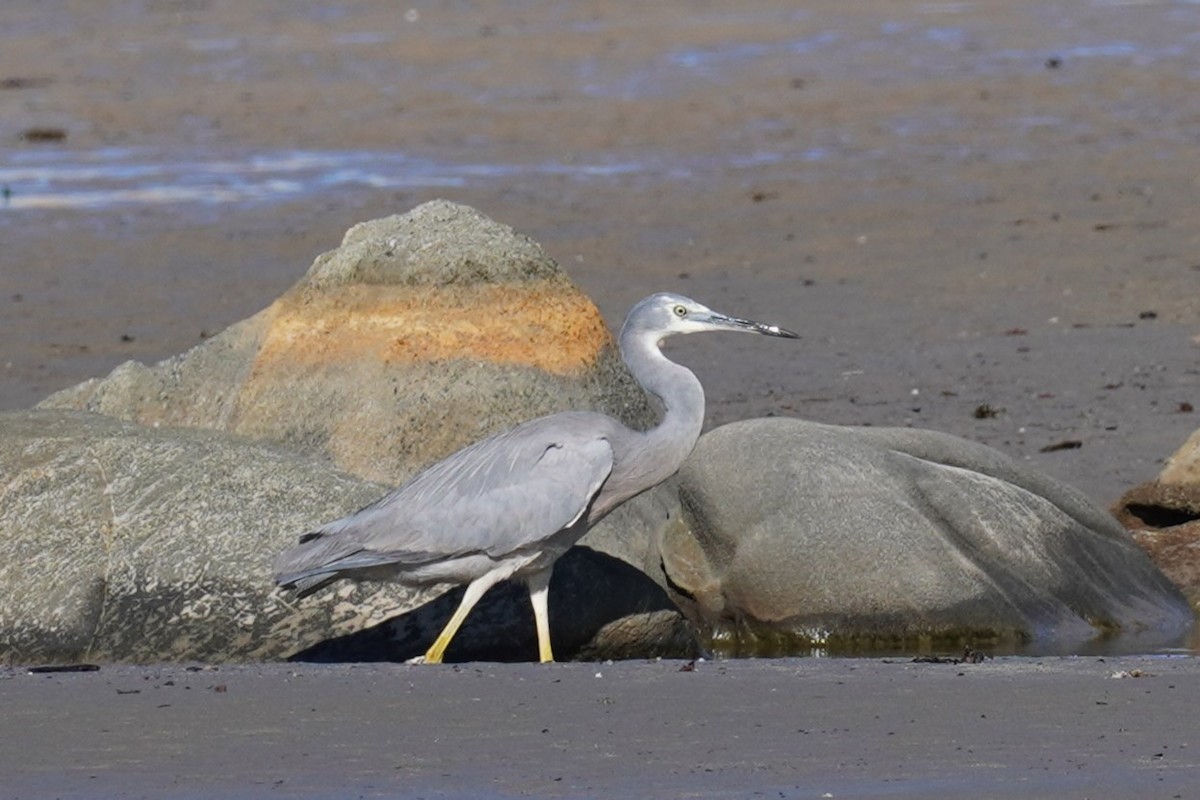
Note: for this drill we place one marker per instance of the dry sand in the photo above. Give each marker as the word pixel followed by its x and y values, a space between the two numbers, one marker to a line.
pixel 982 217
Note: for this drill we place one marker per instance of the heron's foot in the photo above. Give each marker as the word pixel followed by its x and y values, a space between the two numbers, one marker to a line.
pixel 416 660
pixel 433 655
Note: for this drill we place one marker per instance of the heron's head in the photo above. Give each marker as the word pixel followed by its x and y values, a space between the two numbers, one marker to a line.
pixel 669 314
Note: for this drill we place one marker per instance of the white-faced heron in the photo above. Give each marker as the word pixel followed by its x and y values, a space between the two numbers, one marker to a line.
pixel 508 506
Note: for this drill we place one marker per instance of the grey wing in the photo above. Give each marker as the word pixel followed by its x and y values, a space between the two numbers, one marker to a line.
pixel 495 497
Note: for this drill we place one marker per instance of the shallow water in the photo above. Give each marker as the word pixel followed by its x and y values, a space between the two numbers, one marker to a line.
pixel 745 644
pixel 129 177
pixel 939 41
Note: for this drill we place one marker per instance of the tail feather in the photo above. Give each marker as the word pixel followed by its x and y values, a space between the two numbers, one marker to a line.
pixel 306 568
pixel 325 555
pixel 304 586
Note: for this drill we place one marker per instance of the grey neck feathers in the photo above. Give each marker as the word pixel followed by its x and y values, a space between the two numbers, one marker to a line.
pixel 682 398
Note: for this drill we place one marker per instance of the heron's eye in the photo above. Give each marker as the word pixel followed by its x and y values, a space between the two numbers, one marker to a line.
pixel 680 311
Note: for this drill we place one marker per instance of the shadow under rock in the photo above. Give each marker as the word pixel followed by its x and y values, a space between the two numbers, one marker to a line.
pixel 600 608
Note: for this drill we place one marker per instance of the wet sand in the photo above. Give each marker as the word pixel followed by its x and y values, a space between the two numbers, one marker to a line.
pixel 981 217
pixel 789 728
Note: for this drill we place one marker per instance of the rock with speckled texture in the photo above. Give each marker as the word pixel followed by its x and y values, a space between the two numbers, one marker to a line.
pixel 124 543
pixel 805 535
pixel 422 333
pixel 121 543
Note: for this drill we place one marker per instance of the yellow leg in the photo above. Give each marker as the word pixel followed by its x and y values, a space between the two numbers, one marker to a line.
pixel 539 590
pixel 475 590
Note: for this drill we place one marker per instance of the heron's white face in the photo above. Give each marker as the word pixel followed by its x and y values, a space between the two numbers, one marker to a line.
pixel 668 314
pixel 684 315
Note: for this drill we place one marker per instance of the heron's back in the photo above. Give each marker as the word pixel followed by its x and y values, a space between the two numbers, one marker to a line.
pixel 498 497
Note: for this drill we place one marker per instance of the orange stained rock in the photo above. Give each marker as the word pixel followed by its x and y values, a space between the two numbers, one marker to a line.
pixel 541 324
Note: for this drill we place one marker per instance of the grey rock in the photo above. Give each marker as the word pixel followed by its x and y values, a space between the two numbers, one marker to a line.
pixel 436 244
pixel 801 535
pixel 122 543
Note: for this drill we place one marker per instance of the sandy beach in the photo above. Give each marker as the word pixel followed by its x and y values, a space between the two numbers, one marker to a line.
pixel 982 219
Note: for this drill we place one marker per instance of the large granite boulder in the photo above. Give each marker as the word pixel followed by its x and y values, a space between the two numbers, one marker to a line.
pixel 798 535
pixel 1164 516
pixel 422 333
pixel 127 543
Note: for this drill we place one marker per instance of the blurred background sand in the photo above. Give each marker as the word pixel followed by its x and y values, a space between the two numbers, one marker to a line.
pixel 981 216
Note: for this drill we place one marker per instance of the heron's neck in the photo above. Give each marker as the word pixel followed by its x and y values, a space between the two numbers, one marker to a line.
pixel 678 390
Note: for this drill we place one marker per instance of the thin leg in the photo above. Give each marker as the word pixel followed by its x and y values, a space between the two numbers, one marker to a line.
pixel 475 590
pixel 539 590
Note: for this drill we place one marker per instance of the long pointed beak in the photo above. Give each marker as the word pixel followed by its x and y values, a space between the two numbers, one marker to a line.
pixel 749 326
